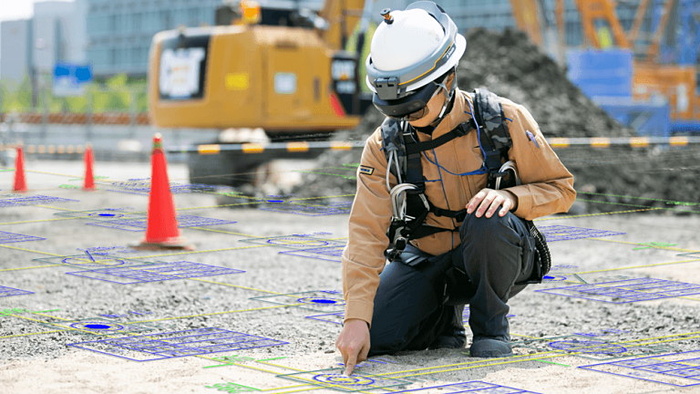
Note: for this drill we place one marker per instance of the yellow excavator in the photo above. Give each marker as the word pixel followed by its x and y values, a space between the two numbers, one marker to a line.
pixel 283 71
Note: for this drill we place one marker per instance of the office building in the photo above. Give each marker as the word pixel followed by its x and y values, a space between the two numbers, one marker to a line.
pixel 15 56
pixel 55 34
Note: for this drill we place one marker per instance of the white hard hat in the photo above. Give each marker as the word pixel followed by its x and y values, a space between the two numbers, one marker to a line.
pixel 410 39
pixel 412 48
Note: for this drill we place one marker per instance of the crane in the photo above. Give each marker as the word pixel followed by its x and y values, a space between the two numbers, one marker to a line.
pixel 676 82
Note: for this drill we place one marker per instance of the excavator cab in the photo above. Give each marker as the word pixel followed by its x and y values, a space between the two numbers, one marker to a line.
pixel 278 74
pixel 284 71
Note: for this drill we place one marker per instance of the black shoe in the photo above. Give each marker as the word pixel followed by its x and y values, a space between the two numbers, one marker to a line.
pixel 490 347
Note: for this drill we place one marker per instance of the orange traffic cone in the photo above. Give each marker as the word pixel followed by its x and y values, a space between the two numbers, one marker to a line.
pixel 161 226
pixel 20 182
pixel 89 182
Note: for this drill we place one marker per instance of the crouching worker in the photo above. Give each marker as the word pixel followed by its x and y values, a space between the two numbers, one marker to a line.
pixel 446 191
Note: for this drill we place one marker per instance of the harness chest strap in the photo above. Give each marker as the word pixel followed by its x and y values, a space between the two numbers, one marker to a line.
pixel 399 139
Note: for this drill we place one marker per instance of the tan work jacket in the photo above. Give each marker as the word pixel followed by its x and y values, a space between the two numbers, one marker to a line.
pixel 547 188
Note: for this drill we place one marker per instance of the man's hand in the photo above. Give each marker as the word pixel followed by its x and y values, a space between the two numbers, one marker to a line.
pixel 353 343
pixel 487 201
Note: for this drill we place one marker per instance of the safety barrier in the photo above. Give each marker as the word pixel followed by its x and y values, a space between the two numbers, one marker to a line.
pixel 557 143
pixel 302 147
pixel 101 118
pixel 48 149
pixel 634 142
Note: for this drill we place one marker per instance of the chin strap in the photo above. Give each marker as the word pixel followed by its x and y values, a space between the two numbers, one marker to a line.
pixel 450 93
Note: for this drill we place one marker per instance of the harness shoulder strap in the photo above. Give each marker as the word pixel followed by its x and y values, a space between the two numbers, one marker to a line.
pixel 493 132
pixel 460 130
pixel 400 142
pixel 489 115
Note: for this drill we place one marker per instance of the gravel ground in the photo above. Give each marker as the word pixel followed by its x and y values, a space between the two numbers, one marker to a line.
pixel 291 274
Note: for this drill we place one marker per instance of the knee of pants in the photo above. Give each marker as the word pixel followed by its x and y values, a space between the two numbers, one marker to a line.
pixel 493 243
pixel 489 232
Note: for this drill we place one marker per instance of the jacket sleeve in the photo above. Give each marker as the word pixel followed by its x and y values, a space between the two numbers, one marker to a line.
pixel 363 258
pixel 547 186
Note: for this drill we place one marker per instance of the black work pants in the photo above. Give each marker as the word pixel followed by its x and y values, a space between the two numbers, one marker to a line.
pixel 417 303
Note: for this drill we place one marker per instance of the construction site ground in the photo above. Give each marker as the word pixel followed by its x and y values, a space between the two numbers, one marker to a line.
pixel 256 306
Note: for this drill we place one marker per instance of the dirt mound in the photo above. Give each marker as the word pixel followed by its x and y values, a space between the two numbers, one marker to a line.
pixel 511 66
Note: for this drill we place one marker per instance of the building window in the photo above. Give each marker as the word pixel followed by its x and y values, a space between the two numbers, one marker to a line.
pixel 166 20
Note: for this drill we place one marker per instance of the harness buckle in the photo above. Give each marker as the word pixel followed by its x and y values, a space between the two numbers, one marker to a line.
pixel 402 224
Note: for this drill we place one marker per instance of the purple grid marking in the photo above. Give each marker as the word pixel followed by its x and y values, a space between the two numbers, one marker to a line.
pixel 331 378
pixel 330 253
pixel 176 344
pixel 317 301
pixel 675 369
pixel 626 291
pixel 335 318
pixel 98 214
pixel 30 200
pixel 474 386
pixel 309 210
pixel 9 291
pixel 563 233
pixel 139 224
pixel 154 272
pixel 98 260
pixel 592 347
pixel 6 237
pixel 192 188
pixel 143 186
pixel 298 242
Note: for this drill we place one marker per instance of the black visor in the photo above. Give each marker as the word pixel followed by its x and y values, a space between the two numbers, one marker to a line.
pixel 417 100
pixel 407 105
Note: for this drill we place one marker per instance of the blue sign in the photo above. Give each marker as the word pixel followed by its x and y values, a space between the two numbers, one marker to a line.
pixel 70 79
pixel 601 73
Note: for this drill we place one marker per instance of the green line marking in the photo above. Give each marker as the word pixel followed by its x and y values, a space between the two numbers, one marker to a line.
pixel 242 359
pixel 635 205
pixel 214 366
pixel 270 359
pixel 552 362
pixel 330 174
pixel 580 278
pixel 643 198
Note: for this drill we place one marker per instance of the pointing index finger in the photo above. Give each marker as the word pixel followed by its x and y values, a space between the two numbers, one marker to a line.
pixel 350 364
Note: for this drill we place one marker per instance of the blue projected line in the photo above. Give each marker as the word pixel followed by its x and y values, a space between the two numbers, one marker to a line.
pixel 674 369
pixel 154 272
pixel 317 301
pixel 480 171
pixel 330 378
pixel 7 237
pixel 626 291
pixel 475 386
pixel 9 291
pixel 31 200
pixel 165 345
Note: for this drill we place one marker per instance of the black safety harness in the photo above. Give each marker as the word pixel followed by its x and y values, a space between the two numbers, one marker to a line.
pixel 403 151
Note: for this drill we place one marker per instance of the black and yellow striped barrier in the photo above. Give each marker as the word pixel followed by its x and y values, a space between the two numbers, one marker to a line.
pixel 634 142
pixel 48 149
pixel 307 147
pixel 291 147
pixel 557 143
